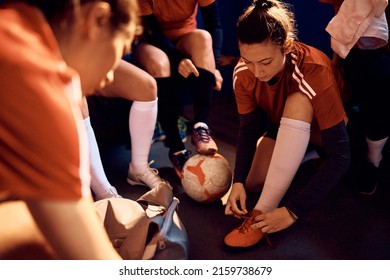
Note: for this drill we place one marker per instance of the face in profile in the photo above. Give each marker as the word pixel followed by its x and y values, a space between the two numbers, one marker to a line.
pixel 116 46
pixel 265 60
pixel 106 47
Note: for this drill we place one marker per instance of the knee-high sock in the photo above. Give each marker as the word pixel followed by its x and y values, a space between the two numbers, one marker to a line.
pixel 142 121
pixel 203 87
pixel 374 150
pixel 290 147
pixel 99 181
pixel 168 111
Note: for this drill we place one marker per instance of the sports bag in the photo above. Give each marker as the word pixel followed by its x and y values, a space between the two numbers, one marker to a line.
pixel 146 228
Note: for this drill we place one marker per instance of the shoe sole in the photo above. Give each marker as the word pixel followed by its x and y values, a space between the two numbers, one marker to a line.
pixel 136 183
pixel 207 152
pixel 238 249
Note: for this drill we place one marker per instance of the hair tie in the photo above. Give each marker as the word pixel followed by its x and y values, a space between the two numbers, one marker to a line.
pixel 262 4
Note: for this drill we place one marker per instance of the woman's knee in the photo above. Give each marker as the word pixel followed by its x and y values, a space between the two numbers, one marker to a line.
pixel 159 68
pixel 150 88
pixel 153 60
pixel 197 41
pixel 203 39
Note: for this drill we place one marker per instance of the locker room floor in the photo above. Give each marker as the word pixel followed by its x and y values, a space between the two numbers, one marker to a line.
pixel 345 225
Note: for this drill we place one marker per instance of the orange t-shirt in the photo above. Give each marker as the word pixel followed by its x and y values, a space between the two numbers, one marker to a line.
pixel 175 17
pixel 307 70
pixel 43 147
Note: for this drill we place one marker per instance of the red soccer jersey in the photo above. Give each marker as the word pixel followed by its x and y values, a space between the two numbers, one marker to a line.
pixel 308 71
pixel 176 17
pixel 44 153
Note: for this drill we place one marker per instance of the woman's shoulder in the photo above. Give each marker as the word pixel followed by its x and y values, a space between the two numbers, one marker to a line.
pixel 312 66
pixel 310 58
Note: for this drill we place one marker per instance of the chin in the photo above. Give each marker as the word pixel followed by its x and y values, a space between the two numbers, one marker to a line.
pixel 264 79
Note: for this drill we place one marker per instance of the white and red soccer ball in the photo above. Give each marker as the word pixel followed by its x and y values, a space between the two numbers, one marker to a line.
pixel 206 178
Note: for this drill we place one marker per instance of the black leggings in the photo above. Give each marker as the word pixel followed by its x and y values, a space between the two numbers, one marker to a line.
pixel 169 91
pixel 367 73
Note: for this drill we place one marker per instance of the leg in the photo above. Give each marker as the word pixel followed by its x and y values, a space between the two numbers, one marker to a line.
pixel 290 147
pixel 367 92
pixel 135 84
pixel 155 62
pixel 197 45
pixel 260 164
pixel 99 182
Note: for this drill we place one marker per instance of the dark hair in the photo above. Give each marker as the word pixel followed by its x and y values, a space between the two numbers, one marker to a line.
pixel 266 20
pixel 123 11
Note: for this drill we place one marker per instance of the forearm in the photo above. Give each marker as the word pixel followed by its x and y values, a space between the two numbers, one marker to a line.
pixel 73 229
pixel 213 26
pixel 290 147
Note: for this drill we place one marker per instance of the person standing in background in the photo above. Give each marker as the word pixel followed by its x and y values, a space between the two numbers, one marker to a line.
pixel 359 38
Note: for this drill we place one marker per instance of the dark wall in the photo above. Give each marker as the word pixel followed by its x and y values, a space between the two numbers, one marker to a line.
pixel 311 16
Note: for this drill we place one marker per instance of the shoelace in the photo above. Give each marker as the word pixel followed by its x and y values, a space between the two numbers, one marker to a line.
pixel 245 227
pixel 154 174
pixel 203 135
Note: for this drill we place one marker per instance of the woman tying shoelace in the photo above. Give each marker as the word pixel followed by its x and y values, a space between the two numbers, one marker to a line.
pixel 288 96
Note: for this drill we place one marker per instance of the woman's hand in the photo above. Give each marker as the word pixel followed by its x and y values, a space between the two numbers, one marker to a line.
pixel 218 80
pixel 274 221
pixel 236 203
pixel 187 67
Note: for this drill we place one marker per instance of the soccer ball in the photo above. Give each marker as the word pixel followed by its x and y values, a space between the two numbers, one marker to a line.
pixel 206 178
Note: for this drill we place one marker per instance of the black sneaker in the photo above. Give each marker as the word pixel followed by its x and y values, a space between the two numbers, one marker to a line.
pixel 178 160
pixel 366 179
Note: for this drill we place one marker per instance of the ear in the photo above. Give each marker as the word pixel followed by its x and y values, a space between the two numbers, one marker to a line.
pixel 288 45
pixel 96 18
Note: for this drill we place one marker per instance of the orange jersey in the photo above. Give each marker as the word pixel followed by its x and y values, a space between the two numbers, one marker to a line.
pixel 308 71
pixel 176 17
pixel 44 153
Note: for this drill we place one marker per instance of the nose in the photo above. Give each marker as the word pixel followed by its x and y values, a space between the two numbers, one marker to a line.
pixel 258 70
pixel 108 79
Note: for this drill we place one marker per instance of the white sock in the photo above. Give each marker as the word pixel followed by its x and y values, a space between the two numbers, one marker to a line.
pixel 180 152
pixel 99 181
pixel 142 121
pixel 202 124
pixel 290 147
pixel 374 150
